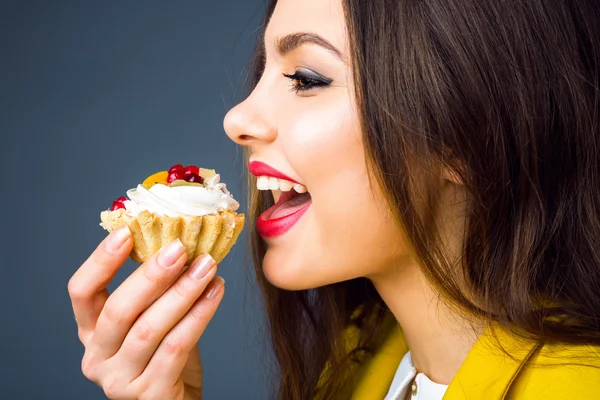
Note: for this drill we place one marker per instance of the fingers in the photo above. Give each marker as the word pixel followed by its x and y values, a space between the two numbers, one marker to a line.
pixel 87 287
pixel 154 324
pixel 163 377
pixel 134 295
pixel 138 340
pixel 172 353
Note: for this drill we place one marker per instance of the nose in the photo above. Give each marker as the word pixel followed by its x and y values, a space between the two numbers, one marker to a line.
pixel 248 124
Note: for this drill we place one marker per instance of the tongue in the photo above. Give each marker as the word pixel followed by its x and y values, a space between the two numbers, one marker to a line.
pixel 290 206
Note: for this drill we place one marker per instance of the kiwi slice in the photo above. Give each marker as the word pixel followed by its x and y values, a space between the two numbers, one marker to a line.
pixel 181 182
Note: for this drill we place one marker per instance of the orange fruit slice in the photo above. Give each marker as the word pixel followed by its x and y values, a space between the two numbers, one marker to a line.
pixel 159 177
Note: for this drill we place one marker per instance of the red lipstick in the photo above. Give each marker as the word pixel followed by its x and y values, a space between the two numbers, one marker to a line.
pixel 258 168
pixel 288 210
pixel 280 218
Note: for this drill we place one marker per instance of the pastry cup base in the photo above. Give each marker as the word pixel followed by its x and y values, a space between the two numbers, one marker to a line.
pixel 214 234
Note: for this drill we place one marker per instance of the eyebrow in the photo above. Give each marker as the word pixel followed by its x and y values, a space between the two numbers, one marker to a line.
pixel 291 42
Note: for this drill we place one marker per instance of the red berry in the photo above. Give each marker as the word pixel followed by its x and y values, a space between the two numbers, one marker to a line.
pixel 121 199
pixel 116 205
pixel 176 167
pixel 194 178
pixel 192 169
pixel 175 175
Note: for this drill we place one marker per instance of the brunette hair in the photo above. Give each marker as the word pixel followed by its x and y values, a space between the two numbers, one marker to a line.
pixel 505 94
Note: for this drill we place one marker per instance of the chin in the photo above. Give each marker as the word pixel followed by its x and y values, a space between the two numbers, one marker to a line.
pixel 286 273
pixel 287 264
pixel 301 272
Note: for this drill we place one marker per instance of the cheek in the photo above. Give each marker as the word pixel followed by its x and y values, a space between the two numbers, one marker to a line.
pixel 337 241
pixel 324 145
pixel 326 149
pixel 348 232
pixel 322 141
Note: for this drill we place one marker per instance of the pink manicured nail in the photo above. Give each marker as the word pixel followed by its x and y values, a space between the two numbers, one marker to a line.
pixel 201 266
pixel 117 239
pixel 171 253
pixel 215 288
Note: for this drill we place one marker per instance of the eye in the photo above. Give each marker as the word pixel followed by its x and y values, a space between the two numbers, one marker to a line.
pixel 303 81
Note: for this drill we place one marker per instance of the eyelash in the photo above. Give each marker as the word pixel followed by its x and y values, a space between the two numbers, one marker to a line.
pixel 302 82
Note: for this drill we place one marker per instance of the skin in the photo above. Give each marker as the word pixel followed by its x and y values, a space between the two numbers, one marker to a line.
pixel 314 137
pixel 141 340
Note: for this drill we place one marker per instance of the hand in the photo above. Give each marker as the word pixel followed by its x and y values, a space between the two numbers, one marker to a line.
pixel 141 341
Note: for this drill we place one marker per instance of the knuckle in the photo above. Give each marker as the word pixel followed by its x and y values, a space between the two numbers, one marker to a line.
pixel 173 346
pixel 201 313
pixel 144 388
pixel 180 288
pixel 152 272
pixel 113 389
pixel 144 331
pixel 118 387
pixel 83 336
pixel 76 289
pixel 89 367
pixel 113 313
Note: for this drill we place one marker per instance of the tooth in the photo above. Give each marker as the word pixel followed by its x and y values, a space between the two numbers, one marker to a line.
pixel 300 188
pixel 273 183
pixel 285 186
pixel 262 183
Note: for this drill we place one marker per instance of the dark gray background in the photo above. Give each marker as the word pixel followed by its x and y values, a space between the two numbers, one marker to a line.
pixel 95 96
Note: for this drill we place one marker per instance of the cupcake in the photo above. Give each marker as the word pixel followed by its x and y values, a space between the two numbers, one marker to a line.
pixel 188 203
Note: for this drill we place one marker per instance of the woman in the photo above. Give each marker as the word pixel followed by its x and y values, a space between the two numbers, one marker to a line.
pixel 449 241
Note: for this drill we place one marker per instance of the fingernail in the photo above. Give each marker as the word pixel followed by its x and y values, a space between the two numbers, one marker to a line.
pixel 170 253
pixel 117 239
pixel 215 287
pixel 201 266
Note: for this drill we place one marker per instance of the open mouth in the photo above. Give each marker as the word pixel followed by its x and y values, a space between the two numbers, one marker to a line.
pixel 287 204
pixel 292 203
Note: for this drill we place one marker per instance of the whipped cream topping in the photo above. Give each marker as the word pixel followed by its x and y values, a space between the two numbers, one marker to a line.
pixel 179 201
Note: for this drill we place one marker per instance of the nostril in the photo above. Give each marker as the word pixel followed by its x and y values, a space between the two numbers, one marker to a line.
pixel 245 137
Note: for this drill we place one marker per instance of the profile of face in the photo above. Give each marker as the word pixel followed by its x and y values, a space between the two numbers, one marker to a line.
pixel 302 120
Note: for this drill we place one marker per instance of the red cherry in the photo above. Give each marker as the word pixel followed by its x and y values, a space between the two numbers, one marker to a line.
pixel 175 175
pixel 176 167
pixel 116 205
pixel 194 178
pixel 192 169
pixel 121 199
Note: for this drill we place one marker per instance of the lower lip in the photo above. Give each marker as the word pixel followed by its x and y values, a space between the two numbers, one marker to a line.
pixel 271 228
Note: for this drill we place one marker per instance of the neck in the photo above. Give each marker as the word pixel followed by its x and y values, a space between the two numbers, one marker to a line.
pixel 439 339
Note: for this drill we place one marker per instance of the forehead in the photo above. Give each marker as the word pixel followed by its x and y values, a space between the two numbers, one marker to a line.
pixel 323 17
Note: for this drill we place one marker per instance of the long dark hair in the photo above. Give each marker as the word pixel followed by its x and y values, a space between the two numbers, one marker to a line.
pixel 506 95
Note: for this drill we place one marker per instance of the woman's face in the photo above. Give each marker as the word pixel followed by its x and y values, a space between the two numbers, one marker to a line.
pixel 301 119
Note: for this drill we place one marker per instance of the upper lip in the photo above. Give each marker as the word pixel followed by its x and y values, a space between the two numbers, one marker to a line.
pixel 258 168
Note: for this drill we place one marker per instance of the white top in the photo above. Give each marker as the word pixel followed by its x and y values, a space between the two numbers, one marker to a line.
pixel 422 388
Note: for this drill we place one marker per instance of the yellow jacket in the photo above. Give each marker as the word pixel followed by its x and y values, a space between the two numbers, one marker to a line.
pixel 534 370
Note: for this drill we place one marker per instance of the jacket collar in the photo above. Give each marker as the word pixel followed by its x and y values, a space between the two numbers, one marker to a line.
pixel 376 375
pixel 491 365
pixel 487 372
